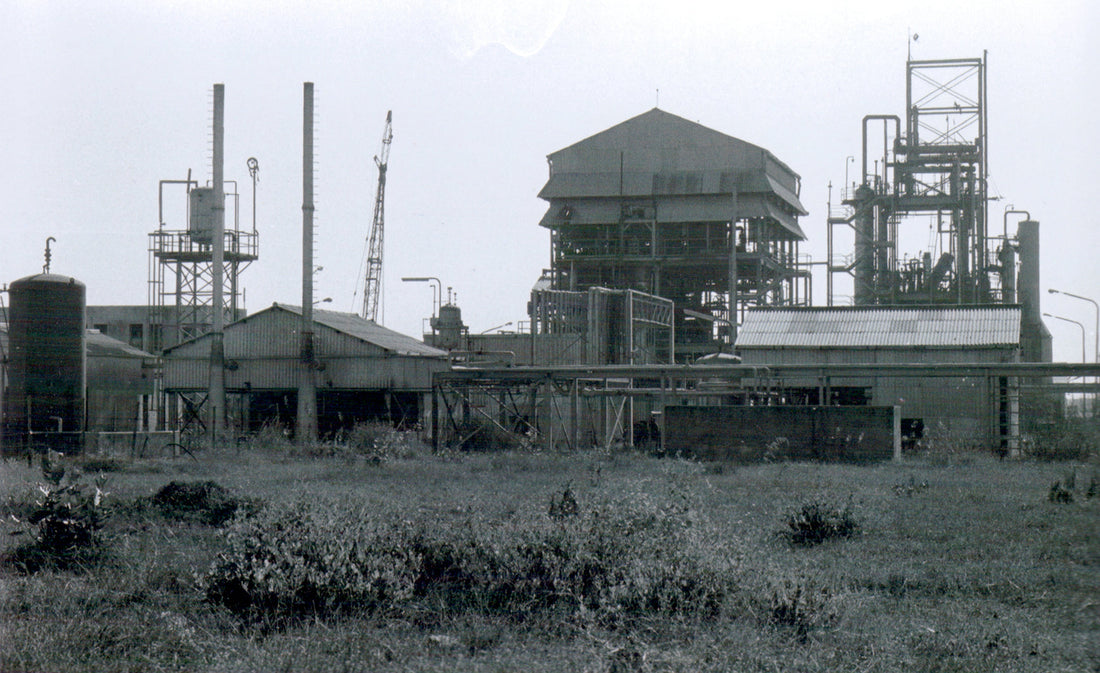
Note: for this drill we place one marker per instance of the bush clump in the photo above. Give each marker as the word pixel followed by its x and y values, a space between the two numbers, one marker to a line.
pixel 815 522
pixel 1060 494
pixel 205 502
pixel 63 524
pixel 606 562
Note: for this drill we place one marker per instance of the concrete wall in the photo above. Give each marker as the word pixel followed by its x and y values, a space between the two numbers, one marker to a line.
pixel 753 434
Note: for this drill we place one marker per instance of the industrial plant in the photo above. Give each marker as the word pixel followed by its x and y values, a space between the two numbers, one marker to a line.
pixel 677 313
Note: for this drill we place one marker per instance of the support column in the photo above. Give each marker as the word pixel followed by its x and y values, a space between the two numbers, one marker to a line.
pixel 734 216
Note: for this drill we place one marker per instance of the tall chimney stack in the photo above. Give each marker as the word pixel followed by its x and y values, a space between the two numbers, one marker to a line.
pixel 306 431
pixel 217 343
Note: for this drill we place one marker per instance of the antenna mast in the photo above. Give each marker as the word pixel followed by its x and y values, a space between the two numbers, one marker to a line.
pixel 372 288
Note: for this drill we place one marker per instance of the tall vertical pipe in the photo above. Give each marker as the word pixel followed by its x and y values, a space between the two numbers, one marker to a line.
pixel 307 392
pixel 732 270
pixel 217 343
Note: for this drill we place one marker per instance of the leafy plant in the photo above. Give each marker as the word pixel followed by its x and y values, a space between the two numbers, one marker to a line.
pixel 64 522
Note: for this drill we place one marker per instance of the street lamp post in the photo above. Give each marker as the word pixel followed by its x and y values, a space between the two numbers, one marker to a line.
pixel 496 328
pixel 1083 360
pixel 437 293
pixel 1096 331
pixel 437 288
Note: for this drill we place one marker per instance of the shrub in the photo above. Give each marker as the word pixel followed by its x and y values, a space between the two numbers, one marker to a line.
pixel 205 502
pixel 1060 494
pixel 606 562
pixel 816 522
pixel 563 506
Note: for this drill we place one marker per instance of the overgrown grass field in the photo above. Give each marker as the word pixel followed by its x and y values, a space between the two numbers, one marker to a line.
pixel 395 559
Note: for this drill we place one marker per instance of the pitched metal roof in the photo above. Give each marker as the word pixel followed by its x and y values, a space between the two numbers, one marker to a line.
pixel 857 327
pixel 99 344
pixel 369 331
pixel 350 324
pixel 96 344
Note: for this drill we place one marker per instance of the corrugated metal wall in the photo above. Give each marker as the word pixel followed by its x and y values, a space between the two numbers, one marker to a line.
pixel 263 353
pixel 397 373
pixel 951 408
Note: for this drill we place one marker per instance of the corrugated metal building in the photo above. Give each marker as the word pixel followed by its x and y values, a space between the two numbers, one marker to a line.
pixel 363 372
pixel 954 409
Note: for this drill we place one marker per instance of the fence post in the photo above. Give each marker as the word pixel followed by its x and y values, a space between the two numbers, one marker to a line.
pixel 897 433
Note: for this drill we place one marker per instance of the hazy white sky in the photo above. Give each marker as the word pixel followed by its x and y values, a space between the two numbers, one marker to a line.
pixel 102 100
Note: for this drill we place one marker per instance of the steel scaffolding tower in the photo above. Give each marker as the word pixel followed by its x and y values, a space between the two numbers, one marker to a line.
pixel 181 268
pixel 931 169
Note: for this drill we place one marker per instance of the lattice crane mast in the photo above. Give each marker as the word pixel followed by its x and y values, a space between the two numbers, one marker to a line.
pixel 372 287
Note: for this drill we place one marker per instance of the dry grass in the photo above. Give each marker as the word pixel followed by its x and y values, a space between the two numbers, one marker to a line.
pixel 960 567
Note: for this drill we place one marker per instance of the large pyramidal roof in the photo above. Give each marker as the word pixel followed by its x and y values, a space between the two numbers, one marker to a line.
pixel 659 153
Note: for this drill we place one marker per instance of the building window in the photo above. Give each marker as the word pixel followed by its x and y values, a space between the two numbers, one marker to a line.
pixel 136 331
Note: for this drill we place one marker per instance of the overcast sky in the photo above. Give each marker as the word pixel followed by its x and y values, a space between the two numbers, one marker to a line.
pixel 102 100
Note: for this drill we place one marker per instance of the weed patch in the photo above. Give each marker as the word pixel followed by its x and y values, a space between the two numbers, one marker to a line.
pixel 910 487
pixel 816 522
pixel 801 605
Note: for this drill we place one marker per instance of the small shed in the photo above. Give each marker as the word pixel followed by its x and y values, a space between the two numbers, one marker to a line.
pixel 120 381
pixel 363 372
pixel 960 410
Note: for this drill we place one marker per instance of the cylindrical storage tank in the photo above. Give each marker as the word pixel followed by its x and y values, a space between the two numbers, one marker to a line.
pixel 448 327
pixel 1028 285
pixel 1007 257
pixel 864 253
pixel 44 401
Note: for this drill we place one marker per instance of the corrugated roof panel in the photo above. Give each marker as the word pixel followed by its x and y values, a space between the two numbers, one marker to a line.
pixel 880 327
pixel 279 341
pixel 372 332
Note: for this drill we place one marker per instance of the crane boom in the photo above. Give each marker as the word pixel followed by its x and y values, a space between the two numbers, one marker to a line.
pixel 372 287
